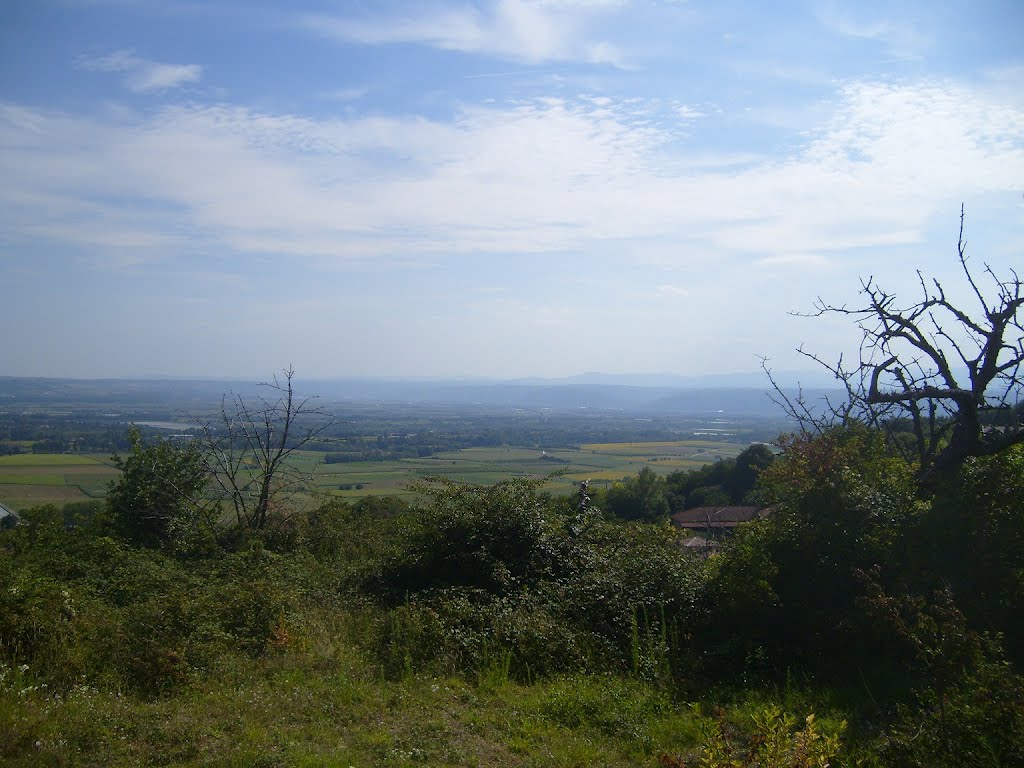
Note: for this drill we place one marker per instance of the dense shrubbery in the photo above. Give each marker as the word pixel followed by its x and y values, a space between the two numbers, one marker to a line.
pixel 730 481
pixel 897 598
pixel 788 590
pixel 652 498
pixel 506 570
pixel 77 607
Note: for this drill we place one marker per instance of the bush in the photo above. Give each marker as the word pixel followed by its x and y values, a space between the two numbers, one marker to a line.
pixel 976 721
pixel 75 606
pixel 789 587
pixel 506 571
pixel 773 740
pixel 497 539
pixel 153 502
pixel 971 539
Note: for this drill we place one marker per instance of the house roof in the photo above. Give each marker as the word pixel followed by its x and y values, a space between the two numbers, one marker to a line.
pixel 716 517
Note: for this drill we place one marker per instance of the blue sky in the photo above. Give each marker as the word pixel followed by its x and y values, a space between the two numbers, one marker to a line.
pixel 502 189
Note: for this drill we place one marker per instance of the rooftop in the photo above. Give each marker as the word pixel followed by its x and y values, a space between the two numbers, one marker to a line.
pixel 717 517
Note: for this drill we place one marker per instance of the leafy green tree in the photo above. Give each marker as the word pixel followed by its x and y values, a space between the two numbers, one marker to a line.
pixel 843 506
pixel 725 482
pixel 970 540
pixel 708 496
pixel 749 466
pixel 639 498
pixel 159 491
pixel 683 484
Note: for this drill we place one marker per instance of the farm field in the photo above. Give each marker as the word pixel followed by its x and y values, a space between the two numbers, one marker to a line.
pixel 601 463
pixel 31 479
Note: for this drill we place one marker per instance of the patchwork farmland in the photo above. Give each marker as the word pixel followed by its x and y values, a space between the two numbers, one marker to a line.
pixel 31 479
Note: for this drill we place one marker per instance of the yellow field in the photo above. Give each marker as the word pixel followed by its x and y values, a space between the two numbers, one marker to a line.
pixel 652 447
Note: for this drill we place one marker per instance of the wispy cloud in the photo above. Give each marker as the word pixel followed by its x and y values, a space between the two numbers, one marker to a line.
pixel 901 40
pixel 531 31
pixel 800 260
pixel 545 176
pixel 142 75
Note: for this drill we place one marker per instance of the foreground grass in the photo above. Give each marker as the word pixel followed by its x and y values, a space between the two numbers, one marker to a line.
pixel 324 705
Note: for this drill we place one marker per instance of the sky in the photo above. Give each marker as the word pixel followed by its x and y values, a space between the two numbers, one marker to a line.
pixel 480 188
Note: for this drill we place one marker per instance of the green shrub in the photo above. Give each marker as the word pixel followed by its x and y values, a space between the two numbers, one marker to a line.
pixel 508 569
pixel 459 631
pixel 772 739
pixel 976 721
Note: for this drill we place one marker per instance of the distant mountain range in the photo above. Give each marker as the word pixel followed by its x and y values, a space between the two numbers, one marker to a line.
pixel 747 379
pixel 730 394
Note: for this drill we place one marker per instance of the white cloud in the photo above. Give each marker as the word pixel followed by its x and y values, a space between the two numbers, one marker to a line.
pixel 551 175
pixel 672 290
pixel 689 113
pixel 142 75
pixel 532 31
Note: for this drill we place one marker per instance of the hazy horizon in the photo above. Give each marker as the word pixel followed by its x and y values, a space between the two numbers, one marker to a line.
pixel 503 189
pixel 743 379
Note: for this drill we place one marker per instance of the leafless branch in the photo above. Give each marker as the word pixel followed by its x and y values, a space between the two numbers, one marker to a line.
pixel 248 451
pixel 904 371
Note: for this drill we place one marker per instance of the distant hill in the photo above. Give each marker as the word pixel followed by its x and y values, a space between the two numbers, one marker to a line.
pixel 732 394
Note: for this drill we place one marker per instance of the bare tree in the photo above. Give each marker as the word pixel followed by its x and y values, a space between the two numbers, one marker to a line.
pixel 248 450
pixel 932 364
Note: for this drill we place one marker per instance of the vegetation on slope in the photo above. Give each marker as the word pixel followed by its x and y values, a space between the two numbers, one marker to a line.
pixel 498 625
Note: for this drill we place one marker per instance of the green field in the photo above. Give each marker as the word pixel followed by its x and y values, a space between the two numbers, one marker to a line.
pixel 49 460
pixel 30 479
pixel 602 464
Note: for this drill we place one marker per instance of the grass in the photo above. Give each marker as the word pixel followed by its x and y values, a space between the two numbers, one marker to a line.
pixel 328 707
pixel 30 479
pixel 320 701
pixel 645 448
pixel 18 497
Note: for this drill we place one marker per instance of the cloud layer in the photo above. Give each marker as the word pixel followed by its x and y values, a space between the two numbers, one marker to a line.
pixel 547 175
pixel 487 186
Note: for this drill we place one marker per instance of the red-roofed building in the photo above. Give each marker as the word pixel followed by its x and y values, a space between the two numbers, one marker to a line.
pixel 707 520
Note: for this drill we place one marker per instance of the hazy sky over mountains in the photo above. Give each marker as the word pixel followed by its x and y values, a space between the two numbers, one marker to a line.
pixel 511 188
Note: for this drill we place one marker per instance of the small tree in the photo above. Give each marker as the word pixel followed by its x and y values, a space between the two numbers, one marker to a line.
pixel 639 498
pixel 248 451
pixel 159 491
pixel 933 365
